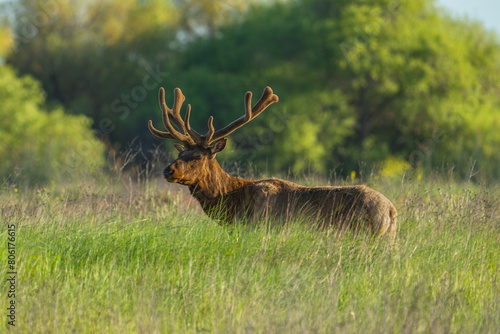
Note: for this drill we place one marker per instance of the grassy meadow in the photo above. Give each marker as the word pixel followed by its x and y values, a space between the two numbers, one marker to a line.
pixel 143 258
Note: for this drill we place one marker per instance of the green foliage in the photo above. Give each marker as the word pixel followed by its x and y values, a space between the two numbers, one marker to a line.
pixel 415 84
pixel 38 145
pixel 316 126
pixel 359 81
pixel 103 59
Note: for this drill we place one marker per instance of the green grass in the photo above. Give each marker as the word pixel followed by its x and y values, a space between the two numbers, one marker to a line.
pixel 95 260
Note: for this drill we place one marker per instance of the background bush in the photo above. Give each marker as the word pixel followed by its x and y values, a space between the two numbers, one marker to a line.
pixel 40 145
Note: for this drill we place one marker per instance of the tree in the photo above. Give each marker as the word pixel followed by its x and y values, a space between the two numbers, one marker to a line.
pixel 358 81
pixel 413 82
pixel 103 59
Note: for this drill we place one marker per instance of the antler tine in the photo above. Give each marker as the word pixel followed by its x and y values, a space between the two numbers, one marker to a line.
pixel 179 123
pixel 193 133
pixel 158 133
pixel 199 139
pixel 165 113
pixel 265 101
pixel 207 139
pixel 179 99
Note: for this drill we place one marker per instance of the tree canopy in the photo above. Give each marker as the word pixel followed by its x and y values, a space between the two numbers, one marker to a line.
pixel 363 81
pixel 358 81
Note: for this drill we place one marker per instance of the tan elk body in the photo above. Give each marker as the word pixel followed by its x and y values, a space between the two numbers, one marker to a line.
pixel 230 199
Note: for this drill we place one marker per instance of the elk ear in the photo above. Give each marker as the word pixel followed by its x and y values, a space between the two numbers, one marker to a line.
pixel 179 147
pixel 218 146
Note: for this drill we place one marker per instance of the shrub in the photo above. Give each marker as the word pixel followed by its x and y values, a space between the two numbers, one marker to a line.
pixel 39 145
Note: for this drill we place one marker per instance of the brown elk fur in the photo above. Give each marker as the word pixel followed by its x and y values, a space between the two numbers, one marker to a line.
pixel 230 199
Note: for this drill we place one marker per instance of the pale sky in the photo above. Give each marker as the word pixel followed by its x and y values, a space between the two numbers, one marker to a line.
pixel 487 11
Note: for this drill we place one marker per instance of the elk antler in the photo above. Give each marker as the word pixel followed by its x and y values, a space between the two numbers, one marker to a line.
pixel 265 101
pixel 173 116
pixel 190 136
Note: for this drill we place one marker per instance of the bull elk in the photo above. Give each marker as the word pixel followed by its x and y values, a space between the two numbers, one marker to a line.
pixel 228 199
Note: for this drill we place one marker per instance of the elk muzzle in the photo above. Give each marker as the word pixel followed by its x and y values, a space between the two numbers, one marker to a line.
pixel 168 173
pixel 175 172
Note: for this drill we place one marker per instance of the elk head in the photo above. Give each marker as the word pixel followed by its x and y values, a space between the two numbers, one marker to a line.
pixel 197 152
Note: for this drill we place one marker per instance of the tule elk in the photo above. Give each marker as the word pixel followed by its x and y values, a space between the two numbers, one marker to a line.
pixel 229 199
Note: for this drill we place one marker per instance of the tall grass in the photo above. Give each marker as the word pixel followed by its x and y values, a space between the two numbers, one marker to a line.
pixel 96 259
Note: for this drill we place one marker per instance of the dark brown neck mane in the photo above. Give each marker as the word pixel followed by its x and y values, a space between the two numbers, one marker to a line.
pixel 215 184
